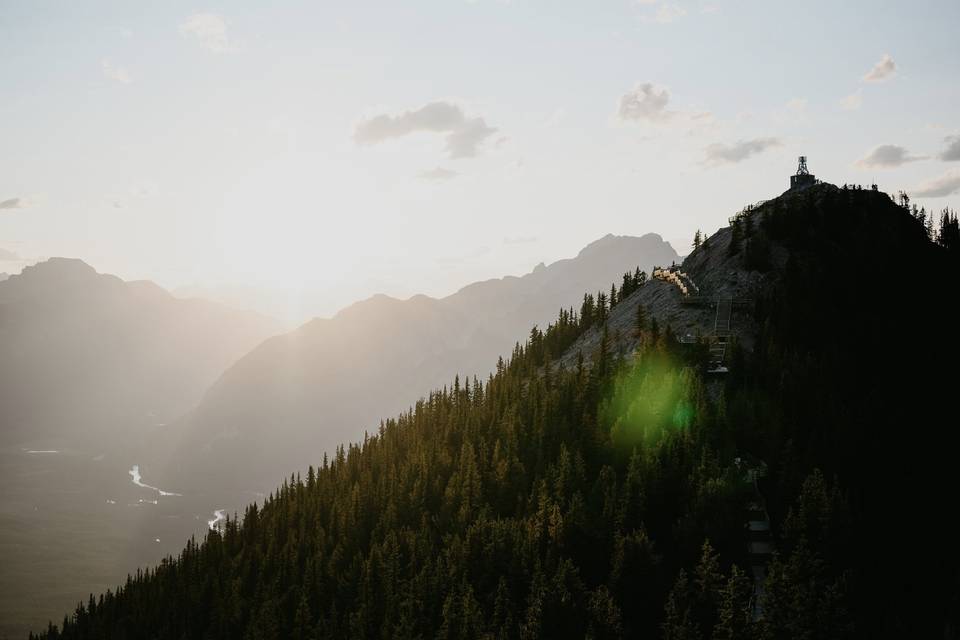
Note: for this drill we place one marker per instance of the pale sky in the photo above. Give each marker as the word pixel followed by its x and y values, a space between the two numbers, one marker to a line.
pixel 359 147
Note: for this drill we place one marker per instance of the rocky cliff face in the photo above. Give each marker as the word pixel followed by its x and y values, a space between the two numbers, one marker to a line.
pixel 769 234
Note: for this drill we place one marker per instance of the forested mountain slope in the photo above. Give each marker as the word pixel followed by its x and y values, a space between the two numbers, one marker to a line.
pixel 605 498
pixel 324 383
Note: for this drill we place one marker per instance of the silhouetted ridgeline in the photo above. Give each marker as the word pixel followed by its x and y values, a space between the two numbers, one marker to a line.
pixel 602 498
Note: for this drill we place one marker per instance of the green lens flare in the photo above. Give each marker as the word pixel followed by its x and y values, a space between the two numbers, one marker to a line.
pixel 652 398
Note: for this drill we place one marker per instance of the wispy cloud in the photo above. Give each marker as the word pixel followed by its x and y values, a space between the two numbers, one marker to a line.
pixel 952 150
pixel 8 256
pixel 719 153
pixel 117 74
pixel 210 29
pixel 464 135
pixel 881 71
pixel 439 174
pixel 887 156
pixel 945 185
pixel 13 203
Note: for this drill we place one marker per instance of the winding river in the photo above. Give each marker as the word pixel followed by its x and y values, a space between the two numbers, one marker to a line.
pixel 219 515
pixel 137 480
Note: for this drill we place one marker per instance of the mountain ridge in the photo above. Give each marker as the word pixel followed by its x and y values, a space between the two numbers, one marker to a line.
pixel 290 378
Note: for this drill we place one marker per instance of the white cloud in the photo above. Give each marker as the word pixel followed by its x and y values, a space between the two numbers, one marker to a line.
pixel 117 74
pixel 439 174
pixel 887 156
pixel 464 135
pixel 645 102
pixel 952 152
pixel 945 185
pixel 648 103
pixel 13 203
pixel 719 153
pixel 882 70
pixel 210 29
pixel 8 256
pixel 852 102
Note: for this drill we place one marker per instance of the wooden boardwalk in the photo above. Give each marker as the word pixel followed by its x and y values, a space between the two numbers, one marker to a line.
pixel 759 540
pixel 721 332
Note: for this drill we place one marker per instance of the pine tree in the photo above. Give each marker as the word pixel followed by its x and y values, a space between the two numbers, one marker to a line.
pixel 707 580
pixel 678 623
pixel 735 613
pixel 736 237
pixel 640 324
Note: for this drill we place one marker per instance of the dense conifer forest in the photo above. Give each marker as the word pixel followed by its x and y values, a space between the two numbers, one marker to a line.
pixel 608 499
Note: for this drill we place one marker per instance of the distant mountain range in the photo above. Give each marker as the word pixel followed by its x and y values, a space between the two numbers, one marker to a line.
pixel 83 353
pixel 301 393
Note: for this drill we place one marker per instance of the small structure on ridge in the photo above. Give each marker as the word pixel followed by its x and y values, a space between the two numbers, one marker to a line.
pixel 803 178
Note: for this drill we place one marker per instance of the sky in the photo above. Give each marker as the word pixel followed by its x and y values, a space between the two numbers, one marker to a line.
pixel 350 148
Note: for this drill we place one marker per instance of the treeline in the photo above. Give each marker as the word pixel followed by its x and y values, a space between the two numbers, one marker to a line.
pixel 943 229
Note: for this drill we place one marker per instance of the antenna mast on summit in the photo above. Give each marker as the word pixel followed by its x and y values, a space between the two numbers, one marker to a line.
pixel 803 178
